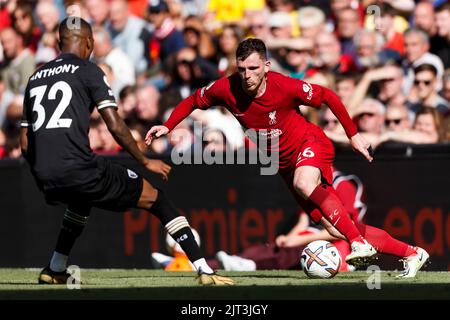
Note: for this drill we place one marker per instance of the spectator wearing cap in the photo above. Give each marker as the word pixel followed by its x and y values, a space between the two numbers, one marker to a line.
pixel 416 53
pixel 424 91
pixel 311 21
pixel 166 39
pixel 129 34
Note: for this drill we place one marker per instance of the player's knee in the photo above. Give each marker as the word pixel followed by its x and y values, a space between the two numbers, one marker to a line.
pixel 304 187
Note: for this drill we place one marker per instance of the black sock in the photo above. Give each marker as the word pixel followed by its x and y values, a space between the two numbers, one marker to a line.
pixel 72 226
pixel 180 230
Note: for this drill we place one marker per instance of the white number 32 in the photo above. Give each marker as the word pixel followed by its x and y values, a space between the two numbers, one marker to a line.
pixel 55 120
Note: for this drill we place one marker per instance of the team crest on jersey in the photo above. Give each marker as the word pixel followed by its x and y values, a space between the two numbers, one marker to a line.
pixel 132 174
pixel 272 117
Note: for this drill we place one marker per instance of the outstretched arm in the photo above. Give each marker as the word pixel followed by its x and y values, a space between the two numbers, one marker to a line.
pixel 359 144
pixel 181 111
pixel 123 136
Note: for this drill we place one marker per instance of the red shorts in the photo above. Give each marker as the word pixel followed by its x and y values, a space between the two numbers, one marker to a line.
pixel 315 150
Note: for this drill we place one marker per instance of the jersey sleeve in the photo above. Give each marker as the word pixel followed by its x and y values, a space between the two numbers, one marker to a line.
pixel 98 87
pixel 203 98
pixel 314 95
pixel 27 111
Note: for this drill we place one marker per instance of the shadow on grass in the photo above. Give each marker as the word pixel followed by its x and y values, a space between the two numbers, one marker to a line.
pixel 289 292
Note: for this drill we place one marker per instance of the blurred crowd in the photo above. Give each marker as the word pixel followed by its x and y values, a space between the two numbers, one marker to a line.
pixel 388 60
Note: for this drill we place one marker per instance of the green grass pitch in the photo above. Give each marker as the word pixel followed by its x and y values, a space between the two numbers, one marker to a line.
pixel 275 285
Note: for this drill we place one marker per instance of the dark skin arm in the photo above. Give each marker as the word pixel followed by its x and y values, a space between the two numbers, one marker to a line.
pixel 122 135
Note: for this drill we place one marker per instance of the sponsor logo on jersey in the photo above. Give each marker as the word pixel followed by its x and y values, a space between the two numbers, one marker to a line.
pixel 269 134
pixel 238 114
pixel 308 88
pixel 132 174
pixel 272 117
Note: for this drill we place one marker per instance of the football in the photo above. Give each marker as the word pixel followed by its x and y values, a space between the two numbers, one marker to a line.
pixel 320 259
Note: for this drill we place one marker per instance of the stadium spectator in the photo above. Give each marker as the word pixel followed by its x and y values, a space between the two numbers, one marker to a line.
pixel 443 30
pixel 98 12
pixel 446 90
pixel 416 53
pixel 23 22
pixel 197 38
pixel 19 61
pixel 228 42
pixel 311 21
pixel 165 40
pixel 425 18
pixel 329 55
pixel 345 88
pixel 389 79
pixel 129 34
pixel 427 129
pixel 147 107
pixel 258 26
pixel 424 91
pixel 347 25
pixel 68 172
pixel 280 25
pixel 398 118
pixel 104 52
pixel 393 37
pixel 297 52
pixel 370 52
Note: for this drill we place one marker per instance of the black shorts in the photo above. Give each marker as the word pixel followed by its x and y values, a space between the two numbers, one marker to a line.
pixel 117 189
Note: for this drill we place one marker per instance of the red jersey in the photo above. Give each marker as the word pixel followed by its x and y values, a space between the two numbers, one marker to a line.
pixel 275 114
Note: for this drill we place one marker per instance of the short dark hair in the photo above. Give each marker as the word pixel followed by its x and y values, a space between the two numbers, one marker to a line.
pixel 70 25
pixel 249 46
pixel 425 67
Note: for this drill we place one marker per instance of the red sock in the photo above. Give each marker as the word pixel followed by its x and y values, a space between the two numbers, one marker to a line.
pixel 383 242
pixel 333 210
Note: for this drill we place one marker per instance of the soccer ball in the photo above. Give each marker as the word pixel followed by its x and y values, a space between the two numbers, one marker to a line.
pixel 320 259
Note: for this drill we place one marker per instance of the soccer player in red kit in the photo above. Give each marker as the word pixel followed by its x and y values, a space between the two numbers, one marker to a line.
pixel 268 102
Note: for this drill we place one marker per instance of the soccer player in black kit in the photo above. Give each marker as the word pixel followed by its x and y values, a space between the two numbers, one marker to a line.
pixel 59 99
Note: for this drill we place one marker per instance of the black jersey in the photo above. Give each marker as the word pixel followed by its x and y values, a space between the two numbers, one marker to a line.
pixel 59 99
